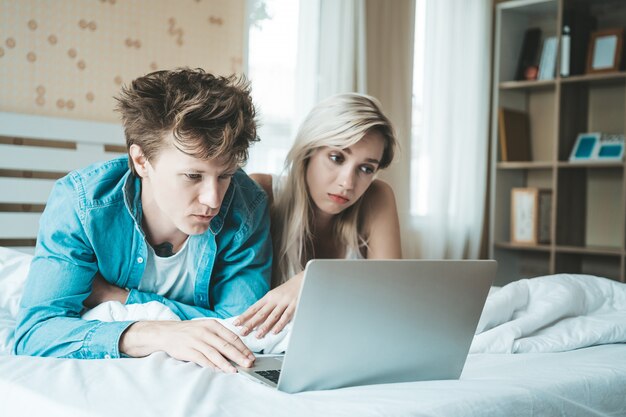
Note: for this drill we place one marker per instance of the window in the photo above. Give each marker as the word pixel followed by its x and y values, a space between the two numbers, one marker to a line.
pixel 272 56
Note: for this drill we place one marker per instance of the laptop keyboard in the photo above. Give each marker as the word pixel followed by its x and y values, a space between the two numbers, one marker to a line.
pixel 272 375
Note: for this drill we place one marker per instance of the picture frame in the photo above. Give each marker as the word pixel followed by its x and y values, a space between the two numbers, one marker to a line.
pixel 611 148
pixel 530 215
pixel 604 53
pixel 586 147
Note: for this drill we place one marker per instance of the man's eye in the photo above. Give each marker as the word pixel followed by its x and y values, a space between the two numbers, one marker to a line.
pixel 226 176
pixel 193 177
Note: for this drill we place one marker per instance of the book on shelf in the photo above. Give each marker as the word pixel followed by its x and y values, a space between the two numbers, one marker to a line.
pixel 528 53
pixel 547 63
pixel 514 132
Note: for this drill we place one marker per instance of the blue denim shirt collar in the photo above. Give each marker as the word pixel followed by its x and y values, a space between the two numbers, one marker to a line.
pixel 132 198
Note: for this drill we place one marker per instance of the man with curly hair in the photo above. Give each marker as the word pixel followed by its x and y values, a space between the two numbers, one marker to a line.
pixel 176 221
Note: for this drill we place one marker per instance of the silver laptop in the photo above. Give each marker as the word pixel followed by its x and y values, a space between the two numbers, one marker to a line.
pixel 361 322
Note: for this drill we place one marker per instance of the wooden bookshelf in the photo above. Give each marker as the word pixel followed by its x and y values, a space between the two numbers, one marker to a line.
pixel 518 85
pixel 525 165
pixel 534 85
pixel 588 211
pixel 599 165
pixel 521 247
pixel 600 78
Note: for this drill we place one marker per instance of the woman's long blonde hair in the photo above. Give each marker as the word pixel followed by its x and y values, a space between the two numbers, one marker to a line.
pixel 340 121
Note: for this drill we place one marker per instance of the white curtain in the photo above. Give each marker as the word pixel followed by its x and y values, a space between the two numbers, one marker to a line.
pixel 331 51
pixel 342 65
pixel 453 143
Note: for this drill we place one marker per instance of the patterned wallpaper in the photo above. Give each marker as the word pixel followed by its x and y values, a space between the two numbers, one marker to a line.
pixel 68 58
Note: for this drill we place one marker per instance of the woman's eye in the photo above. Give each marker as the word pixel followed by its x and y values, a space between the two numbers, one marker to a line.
pixel 193 177
pixel 367 169
pixel 336 158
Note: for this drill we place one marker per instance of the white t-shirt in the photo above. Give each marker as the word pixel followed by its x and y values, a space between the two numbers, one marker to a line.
pixel 172 277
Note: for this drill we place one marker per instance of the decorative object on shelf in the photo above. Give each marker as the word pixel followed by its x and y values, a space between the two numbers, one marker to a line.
pixel 528 53
pixel 611 148
pixel 565 48
pixel 586 147
pixel 581 24
pixel 531 73
pixel 514 135
pixel 598 147
pixel 547 63
pixel 605 51
pixel 530 215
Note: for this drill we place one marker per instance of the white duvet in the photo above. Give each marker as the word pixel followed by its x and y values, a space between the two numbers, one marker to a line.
pixel 547 314
pixel 554 313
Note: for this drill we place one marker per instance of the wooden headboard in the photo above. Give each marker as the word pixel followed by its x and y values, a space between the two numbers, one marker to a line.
pixel 34 152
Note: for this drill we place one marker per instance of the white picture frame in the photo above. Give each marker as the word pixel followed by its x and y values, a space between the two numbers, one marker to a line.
pixel 523 215
pixel 530 215
pixel 586 147
pixel 611 149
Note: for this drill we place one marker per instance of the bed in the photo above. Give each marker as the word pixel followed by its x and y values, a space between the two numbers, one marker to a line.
pixel 550 346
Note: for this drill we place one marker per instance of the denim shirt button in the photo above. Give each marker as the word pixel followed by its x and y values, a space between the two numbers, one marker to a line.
pixel 107 356
pixel 140 260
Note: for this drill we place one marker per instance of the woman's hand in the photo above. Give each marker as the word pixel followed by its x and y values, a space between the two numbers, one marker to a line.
pixel 273 311
pixel 102 291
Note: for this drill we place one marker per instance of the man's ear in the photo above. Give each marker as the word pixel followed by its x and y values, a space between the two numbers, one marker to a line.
pixel 139 160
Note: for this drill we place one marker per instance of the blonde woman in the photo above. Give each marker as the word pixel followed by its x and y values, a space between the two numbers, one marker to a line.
pixel 330 204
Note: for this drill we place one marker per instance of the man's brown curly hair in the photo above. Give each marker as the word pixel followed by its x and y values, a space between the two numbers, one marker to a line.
pixel 209 116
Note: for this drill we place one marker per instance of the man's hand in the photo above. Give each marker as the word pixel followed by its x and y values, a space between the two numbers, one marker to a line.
pixel 205 342
pixel 102 291
pixel 273 311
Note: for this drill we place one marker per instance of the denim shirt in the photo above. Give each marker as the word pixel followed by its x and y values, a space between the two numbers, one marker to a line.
pixel 92 225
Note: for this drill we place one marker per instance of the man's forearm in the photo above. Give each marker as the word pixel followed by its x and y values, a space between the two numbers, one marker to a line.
pixel 103 291
pixel 37 335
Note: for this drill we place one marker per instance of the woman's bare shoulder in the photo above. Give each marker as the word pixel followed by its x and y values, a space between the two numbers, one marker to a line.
pixel 381 224
pixel 379 193
pixel 265 181
pixel 379 203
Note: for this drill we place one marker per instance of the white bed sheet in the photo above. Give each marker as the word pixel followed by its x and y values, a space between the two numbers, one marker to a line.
pixel 585 382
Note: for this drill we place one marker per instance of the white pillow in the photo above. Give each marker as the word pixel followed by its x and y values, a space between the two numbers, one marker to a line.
pixel 14 267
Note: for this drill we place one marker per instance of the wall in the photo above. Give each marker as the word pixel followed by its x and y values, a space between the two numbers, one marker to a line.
pixel 68 58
